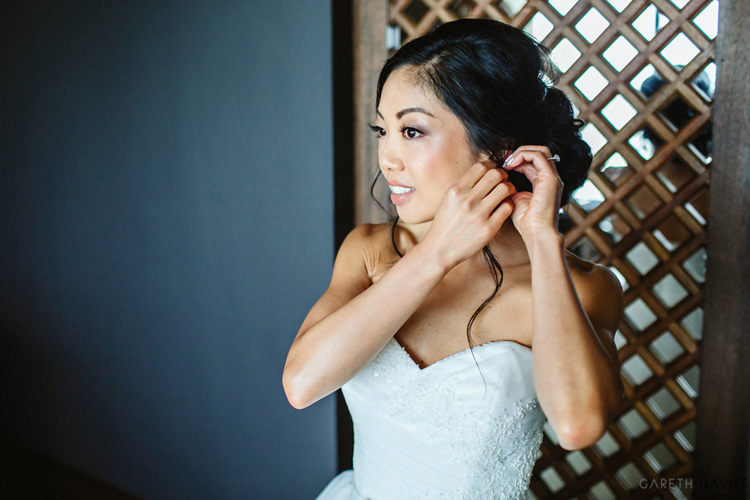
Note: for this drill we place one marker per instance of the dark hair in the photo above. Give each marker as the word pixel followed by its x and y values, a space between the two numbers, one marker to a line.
pixel 492 76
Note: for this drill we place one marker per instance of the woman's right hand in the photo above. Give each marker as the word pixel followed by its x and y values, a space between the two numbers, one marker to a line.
pixel 347 327
pixel 470 214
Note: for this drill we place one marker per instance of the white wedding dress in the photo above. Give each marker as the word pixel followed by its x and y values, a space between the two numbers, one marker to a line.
pixel 453 430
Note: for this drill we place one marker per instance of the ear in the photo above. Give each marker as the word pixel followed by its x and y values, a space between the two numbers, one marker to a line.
pixel 487 156
pixel 498 159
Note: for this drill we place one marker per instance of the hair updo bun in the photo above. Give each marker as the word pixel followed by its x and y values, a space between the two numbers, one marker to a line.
pixel 564 138
pixel 492 76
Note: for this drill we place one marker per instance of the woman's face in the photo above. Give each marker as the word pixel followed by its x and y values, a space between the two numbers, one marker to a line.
pixel 422 146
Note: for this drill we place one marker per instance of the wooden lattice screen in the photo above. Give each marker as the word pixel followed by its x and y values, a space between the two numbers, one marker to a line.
pixel 641 73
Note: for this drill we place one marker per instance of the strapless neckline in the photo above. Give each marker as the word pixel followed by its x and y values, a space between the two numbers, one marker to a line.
pixel 466 427
pixel 493 344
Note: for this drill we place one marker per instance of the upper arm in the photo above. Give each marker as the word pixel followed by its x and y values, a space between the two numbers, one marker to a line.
pixel 350 276
pixel 601 296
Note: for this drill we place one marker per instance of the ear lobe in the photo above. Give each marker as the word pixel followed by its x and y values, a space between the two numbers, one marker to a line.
pixel 486 156
pixel 497 159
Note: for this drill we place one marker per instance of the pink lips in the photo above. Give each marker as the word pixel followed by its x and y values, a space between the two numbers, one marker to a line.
pixel 400 198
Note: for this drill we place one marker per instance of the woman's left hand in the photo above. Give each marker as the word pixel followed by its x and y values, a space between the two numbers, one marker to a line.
pixel 535 212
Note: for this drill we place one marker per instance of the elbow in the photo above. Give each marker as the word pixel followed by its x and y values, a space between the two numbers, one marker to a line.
pixel 297 403
pixel 579 433
pixel 295 392
pixel 584 425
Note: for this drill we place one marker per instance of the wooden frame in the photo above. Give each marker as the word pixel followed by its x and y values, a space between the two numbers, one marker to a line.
pixel 369 56
pixel 721 462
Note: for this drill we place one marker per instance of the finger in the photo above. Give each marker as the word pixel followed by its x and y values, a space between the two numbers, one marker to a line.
pixel 544 150
pixel 521 198
pixel 474 174
pixel 520 202
pixel 502 191
pixel 537 157
pixel 529 155
pixel 533 164
pixel 501 214
pixel 491 179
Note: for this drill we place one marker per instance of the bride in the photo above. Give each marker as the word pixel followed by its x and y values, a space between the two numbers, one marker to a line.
pixel 455 331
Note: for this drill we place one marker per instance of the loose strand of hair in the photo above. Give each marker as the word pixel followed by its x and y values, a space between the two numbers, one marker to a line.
pixel 372 192
pixel 496 271
pixel 393 236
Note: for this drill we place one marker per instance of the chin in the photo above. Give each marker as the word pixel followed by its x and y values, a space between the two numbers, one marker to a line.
pixel 411 217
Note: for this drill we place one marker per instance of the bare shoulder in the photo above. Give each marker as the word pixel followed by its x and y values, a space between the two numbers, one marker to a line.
pixel 591 275
pixel 368 238
pixel 598 289
pixel 371 233
pixel 367 248
pixel 351 272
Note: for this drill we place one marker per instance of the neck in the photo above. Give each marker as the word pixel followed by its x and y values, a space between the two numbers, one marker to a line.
pixel 508 246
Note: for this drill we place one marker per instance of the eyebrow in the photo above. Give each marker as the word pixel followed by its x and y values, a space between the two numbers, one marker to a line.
pixel 406 111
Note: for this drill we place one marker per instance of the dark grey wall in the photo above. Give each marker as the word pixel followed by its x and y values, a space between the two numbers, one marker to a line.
pixel 166 192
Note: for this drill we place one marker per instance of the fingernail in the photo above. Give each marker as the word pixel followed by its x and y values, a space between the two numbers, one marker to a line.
pixel 507 160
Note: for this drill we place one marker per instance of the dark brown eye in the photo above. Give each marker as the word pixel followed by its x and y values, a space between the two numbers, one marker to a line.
pixel 411 133
pixel 379 131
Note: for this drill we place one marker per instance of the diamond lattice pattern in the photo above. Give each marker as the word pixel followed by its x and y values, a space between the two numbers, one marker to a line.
pixel 641 73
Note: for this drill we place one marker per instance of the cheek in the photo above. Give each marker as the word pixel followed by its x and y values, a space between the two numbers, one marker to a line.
pixel 442 183
pixel 456 169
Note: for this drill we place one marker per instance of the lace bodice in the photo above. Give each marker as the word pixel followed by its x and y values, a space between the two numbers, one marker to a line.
pixel 455 429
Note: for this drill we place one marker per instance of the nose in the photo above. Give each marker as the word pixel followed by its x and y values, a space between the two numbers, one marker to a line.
pixel 388 156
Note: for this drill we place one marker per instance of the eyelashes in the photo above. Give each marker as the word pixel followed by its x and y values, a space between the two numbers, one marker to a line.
pixel 408 132
pixel 411 133
pixel 379 131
